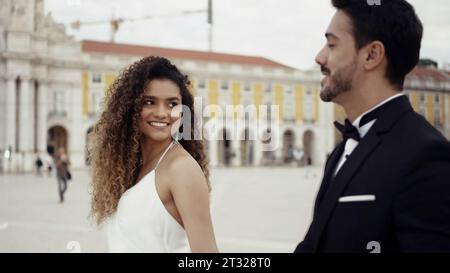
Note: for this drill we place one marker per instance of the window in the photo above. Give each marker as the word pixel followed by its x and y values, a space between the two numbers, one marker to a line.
pixel 422 104
pixel 246 86
pixel 437 118
pixel 96 78
pixel 58 107
pixel 308 105
pixel 437 111
pixel 422 98
pixel 436 99
pixel 224 85
pixel 201 83
pixel 289 108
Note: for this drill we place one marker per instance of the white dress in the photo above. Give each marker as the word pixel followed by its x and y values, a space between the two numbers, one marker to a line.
pixel 142 223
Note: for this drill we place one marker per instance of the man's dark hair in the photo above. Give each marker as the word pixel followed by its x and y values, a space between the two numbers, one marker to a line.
pixel 392 22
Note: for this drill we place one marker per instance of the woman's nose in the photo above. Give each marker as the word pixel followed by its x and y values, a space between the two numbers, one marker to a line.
pixel 160 111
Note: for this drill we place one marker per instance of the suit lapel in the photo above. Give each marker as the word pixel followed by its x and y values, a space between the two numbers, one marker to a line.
pixel 328 173
pixel 343 177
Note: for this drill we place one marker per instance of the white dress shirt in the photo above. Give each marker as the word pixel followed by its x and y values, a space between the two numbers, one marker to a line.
pixel 351 144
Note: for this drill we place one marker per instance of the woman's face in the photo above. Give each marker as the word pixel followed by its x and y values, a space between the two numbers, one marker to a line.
pixel 160 110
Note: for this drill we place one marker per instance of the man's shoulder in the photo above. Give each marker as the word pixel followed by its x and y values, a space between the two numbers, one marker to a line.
pixel 417 139
pixel 414 129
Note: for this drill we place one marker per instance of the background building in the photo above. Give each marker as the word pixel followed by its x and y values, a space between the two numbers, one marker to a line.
pixel 52 88
pixel 226 80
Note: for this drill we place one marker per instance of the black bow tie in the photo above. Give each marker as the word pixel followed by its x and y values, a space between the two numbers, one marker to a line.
pixel 348 130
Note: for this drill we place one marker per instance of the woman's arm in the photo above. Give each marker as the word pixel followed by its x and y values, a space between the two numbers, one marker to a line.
pixel 191 196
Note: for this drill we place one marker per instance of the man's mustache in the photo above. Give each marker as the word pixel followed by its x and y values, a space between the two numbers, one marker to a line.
pixel 324 70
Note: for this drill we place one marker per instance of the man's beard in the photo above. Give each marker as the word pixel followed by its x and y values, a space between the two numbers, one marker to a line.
pixel 339 83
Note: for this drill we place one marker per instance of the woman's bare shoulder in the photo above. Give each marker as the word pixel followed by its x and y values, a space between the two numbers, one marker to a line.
pixel 181 166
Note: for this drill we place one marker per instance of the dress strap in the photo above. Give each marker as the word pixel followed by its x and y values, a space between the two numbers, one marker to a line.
pixel 165 152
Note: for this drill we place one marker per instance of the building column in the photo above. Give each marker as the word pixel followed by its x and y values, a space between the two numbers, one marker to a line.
pixel 76 131
pixel 26 126
pixel 43 104
pixel 10 113
pixel 3 93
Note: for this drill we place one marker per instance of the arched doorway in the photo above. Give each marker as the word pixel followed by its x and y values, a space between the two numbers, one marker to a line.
pixel 308 144
pixel 224 150
pixel 89 139
pixel 246 148
pixel 288 146
pixel 57 137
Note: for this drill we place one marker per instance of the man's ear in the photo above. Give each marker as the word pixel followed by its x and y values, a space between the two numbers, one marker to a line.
pixel 374 54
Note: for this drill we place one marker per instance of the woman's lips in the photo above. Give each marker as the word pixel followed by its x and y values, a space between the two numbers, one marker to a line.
pixel 158 124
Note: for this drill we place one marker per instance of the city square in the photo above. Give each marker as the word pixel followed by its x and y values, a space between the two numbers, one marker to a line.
pixel 253 210
pixel 268 110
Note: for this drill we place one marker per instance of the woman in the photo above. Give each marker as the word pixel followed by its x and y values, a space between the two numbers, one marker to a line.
pixel 62 170
pixel 151 188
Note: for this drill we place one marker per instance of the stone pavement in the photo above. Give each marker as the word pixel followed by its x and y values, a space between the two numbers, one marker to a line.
pixel 254 210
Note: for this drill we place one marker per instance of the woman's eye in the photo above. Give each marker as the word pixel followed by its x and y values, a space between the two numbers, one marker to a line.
pixel 173 104
pixel 148 102
pixel 331 45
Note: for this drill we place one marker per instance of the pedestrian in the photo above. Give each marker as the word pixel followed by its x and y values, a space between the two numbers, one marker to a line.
pixel 61 164
pixel 39 165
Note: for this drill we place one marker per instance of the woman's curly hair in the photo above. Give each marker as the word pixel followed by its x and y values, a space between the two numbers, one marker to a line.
pixel 115 150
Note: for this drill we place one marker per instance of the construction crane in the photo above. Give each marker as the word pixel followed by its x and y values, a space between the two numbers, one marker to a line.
pixel 116 22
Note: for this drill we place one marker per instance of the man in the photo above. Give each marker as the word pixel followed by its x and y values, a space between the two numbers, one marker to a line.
pixel 386 187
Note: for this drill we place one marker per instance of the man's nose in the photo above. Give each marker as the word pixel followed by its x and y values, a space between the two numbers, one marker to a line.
pixel 321 57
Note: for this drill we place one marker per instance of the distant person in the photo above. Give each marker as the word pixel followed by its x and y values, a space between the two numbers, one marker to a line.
pixel 386 186
pixel 50 163
pixel 39 165
pixel 150 185
pixel 62 173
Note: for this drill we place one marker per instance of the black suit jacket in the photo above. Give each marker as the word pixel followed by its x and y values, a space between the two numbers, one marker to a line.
pixel 405 163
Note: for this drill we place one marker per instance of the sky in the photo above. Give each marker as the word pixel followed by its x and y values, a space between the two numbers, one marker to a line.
pixel 287 31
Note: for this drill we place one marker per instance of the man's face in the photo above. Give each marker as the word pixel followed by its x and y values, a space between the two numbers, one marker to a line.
pixel 338 58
